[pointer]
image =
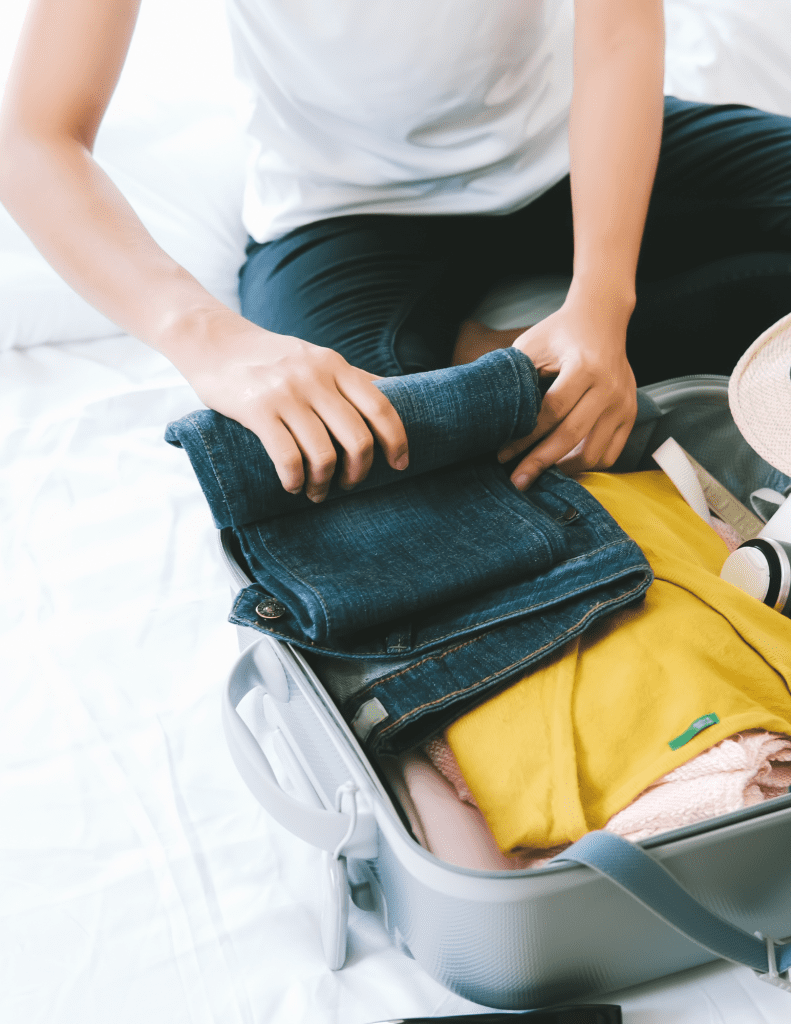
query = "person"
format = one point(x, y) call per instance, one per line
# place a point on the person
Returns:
point(409, 155)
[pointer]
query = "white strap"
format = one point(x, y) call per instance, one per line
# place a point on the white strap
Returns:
point(672, 458)
point(703, 492)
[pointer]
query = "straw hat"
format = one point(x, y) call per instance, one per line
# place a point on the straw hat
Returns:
point(760, 395)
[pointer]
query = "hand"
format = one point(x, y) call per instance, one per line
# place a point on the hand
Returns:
point(296, 397)
point(589, 410)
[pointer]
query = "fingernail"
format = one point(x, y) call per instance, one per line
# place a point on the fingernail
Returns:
point(317, 497)
point(521, 482)
point(402, 462)
point(502, 456)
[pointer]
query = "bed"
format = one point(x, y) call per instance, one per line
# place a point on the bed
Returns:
point(139, 880)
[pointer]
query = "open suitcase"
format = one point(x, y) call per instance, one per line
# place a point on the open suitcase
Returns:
point(518, 939)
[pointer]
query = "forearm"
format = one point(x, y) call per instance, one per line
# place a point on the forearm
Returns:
point(299, 399)
point(90, 234)
point(614, 137)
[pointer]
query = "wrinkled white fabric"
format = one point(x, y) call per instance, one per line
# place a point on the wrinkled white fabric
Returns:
point(139, 880)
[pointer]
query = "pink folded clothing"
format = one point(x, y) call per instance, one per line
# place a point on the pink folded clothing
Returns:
point(746, 769)
point(743, 770)
point(453, 830)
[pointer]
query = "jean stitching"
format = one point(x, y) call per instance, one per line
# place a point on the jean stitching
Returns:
point(511, 615)
point(540, 529)
point(295, 576)
point(500, 617)
point(520, 391)
point(196, 424)
point(480, 682)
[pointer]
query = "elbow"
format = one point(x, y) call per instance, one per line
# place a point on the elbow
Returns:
point(28, 161)
point(7, 162)
point(14, 160)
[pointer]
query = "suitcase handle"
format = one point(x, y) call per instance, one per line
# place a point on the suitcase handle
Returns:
point(319, 827)
point(647, 881)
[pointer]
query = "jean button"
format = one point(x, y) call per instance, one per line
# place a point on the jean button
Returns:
point(569, 515)
point(270, 608)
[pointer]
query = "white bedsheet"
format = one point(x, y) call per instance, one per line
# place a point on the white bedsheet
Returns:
point(139, 880)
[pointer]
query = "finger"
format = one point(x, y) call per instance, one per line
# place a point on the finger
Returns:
point(368, 375)
point(607, 439)
point(563, 396)
point(566, 436)
point(350, 431)
point(606, 448)
point(591, 452)
point(617, 445)
point(582, 461)
point(381, 417)
point(514, 448)
point(285, 454)
point(318, 452)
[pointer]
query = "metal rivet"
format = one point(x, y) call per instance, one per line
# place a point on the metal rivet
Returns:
point(569, 515)
point(270, 608)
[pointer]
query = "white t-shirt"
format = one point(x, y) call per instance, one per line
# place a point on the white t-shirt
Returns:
point(401, 106)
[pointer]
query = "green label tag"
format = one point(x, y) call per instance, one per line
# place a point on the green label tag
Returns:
point(697, 726)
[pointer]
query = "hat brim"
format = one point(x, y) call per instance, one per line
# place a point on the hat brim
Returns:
point(759, 394)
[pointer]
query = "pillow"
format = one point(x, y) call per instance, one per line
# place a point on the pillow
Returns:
point(173, 141)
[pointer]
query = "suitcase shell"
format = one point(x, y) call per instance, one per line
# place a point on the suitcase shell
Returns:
point(512, 940)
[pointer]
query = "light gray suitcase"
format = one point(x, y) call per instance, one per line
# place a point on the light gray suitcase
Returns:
point(517, 939)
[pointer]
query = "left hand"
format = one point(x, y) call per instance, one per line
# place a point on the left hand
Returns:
point(589, 410)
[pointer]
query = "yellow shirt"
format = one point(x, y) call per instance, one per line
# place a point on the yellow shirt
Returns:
point(562, 750)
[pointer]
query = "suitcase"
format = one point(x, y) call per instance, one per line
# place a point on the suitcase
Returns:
point(520, 939)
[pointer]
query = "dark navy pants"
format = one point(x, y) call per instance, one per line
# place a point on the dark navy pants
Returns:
point(389, 292)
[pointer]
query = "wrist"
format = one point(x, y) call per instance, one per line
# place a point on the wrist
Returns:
point(602, 295)
point(197, 333)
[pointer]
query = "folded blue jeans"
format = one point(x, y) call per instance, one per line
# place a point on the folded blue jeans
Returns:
point(423, 591)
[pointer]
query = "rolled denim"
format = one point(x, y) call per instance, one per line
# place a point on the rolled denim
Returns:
point(449, 415)
point(437, 586)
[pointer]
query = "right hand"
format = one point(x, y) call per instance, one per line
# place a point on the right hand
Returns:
point(296, 397)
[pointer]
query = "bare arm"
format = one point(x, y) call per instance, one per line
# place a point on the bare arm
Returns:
point(292, 394)
point(615, 132)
